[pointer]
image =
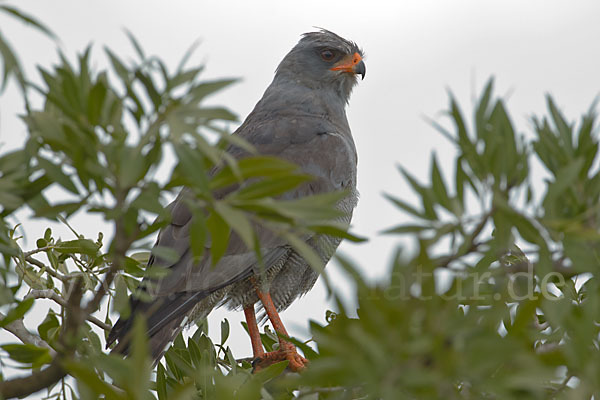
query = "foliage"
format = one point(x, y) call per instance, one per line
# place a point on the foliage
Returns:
point(498, 300)
point(100, 141)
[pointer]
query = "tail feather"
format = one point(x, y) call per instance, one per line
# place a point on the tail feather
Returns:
point(164, 319)
point(164, 316)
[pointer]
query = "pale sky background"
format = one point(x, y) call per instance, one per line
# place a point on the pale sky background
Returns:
point(416, 50)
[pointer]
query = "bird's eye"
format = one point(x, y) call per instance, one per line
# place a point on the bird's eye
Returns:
point(327, 55)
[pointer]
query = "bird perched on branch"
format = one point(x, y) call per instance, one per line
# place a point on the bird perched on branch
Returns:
point(302, 119)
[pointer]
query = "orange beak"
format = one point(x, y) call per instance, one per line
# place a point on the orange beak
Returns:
point(353, 64)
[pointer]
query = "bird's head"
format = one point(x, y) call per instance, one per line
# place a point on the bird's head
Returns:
point(323, 59)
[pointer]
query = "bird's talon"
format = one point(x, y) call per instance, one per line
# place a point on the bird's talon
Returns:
point(296, 361)
point(256, 362)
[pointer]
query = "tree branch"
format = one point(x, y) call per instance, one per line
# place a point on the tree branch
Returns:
point(93, 305)
point(38, 380)
point(18, 329)
point(52, 295)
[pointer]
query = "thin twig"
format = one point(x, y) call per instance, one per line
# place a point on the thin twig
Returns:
point(47, 269)
point(557, 266)
point(93, 304)
point(121, 243)
point(52, 295)
point(38, 250)
point(444, 262)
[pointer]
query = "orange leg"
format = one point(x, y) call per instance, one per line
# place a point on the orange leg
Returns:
point(257, 349)
point(287, 351)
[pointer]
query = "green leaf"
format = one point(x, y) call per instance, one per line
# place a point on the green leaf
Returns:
point(43, 209)
point(28, 354)
point(564, 179)
point(49, 327)
point(86, 375)
point(425, 193)
point(271, 372)
point(526, 228)
point(81, 246)
point(10, 201)
point(224, 331)
point(337, 230)
point(464, 140)
point(252, 167)
point(132, 166)
point(183, 77)
point(94, 341)
point(305, 251)
point(404, 206)
point(96, 99)
point(28, 19)
point(151, 91)
point(461, 179)
point(219, 236)
point(140, 366)
point(55, 173)
point(467, 147)
point(271, 187)
point(198, 234)
point(308, 351)
point(183, 367)
point(191, 163)
point(142, 257)
point(186, 56)
point(564, 130)
point(17, 312)
point(195, 353)
point(135, 44)
point(439, 187)
point(482, 108)
point(309, 210)
point(211, 113)
point(161, 383)
point(237, 221)
point(114, 366)
point(199, 92)
point(11, 66)
point(167, 255)
point(149, 199)
point(406, 229)
point(233, 140)
point(121, 299)
point(118, 65)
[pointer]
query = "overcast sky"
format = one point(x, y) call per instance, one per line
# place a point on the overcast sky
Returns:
point(415, 51)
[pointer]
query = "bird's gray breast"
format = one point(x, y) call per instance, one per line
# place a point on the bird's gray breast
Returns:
point(326, 152)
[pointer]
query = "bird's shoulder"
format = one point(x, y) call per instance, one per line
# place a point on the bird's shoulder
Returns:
point(315, 143)
point(291, 134)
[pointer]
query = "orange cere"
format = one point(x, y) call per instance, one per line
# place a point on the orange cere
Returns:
point(347, 63)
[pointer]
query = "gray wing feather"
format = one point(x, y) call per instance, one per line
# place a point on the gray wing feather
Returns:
point(311, 142)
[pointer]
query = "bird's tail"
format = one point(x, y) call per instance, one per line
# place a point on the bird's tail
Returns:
point(164, 318)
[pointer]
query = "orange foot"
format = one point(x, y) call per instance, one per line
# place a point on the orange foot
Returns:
point(288, 352)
